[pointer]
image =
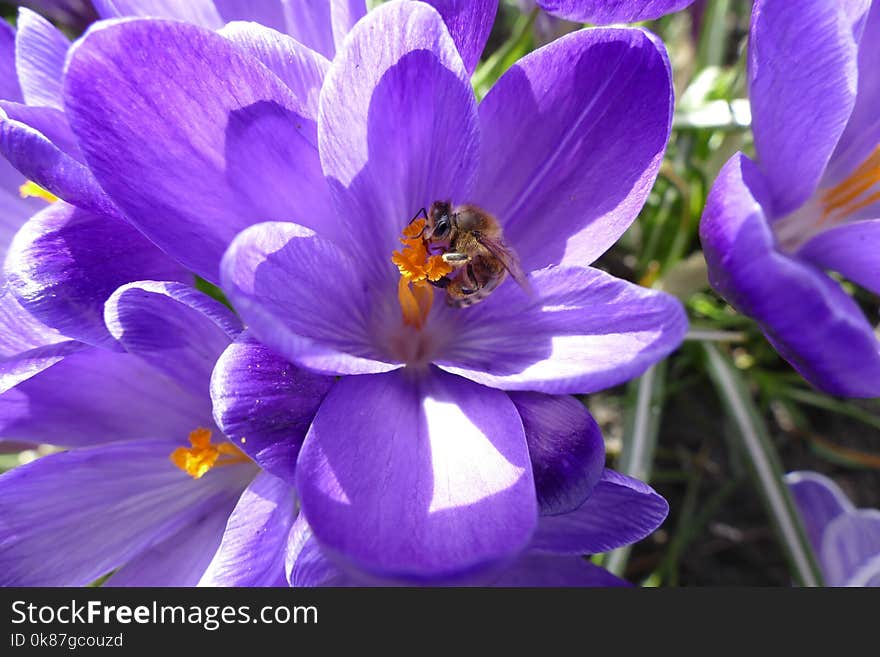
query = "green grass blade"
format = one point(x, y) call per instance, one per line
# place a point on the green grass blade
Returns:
point(764, 464)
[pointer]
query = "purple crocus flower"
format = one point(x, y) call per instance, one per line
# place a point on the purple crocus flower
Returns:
point(811, 202)
point(417, 465)
point(132, 493)
point(846, 539)
point(618, 511)
point(603, 12)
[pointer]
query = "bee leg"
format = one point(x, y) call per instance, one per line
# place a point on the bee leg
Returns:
point(474, 286)
point(456, 259)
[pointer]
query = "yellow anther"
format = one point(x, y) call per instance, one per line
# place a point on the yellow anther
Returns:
point(31, 189)
point(203, 455)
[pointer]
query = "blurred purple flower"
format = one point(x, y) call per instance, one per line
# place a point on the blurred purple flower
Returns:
point(812, 200)
point(76, 15)
point(845, 539)
point(603, 12)
point(115, 500)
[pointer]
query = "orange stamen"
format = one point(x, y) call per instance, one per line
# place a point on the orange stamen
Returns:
point(417, 268)
point(202, 456)
point(846, 197)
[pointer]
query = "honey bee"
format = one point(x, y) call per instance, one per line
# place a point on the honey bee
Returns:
point(473, 244)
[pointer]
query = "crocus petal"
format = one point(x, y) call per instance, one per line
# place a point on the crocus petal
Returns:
point(43, 161)
point(76, 395)
point(16, 209)
point(807, 317)
point(40, 49)
point(819, 501)
point(310, 24)
point(270, 13)
point(621, 510)
point(200, 12)
point(299, 67)
point(867, 575)
point(308, 566)
point(255, 542)
point(65, 262)
point(603, 12)
point(469, 23)
point(582, 331)
point(565, 446)
point(380, 119)
point(802, 86)
point(264, 404)
point(9, 86)
point(180, 560)
point(213, 146)
point(19, 332)
point(50, 122)
point(417, 478)
point(304, 297)
point(545, 570)
point(849, 249)
point(573, 137)
point(862, 134)
point(850, 541)
point(176, 329)
point(104, 505)
point(343, 16)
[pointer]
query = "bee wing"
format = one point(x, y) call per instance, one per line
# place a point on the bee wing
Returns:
point(509, 259)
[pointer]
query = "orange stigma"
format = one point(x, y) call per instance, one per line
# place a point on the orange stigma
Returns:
point(31, 189)
point(852, 194)
point(202, 456)
point(417, 270)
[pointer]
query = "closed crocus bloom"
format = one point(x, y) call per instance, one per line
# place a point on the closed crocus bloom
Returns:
point(603, 12)
point(771, 229)
point(845, 539)
point(148, 483)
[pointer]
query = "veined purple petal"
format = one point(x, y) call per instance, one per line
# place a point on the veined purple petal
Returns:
point(50, 122)
point(15, 209)
point(308, 566)
point(621, 510)
point(191, 154)
point(40, 50)
point(181, 559)
point(549, 570)
point(603, 12)
point(255, 541)
point(862, 133)
point(175, 328)
point(76, 395)
point(469, 23)
point(849, 543)
point(819, 501)
point(807, 317)
point(199, 12)
point(299, 67)
point(582, 331)
point(9, 86)
point(264, 404)
point(310, 24)
point(343, 16)
point(43, 161)
point(565, 446)
point(397, 105)
point(269, 13)
point(802, 86)
point(304, 297)
point(72, 517)
point(26, 351)
point(573, 137)
point(849, 249)
point(65, 262)
point(417, 478)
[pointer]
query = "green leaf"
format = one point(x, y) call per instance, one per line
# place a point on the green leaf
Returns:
point(753, 439)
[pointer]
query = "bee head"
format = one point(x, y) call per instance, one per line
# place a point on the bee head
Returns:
point(441, 220)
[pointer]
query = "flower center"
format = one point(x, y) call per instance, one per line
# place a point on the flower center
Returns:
point(418, 268)
point(853, 193)
point(31, 189)
point(203, 456)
